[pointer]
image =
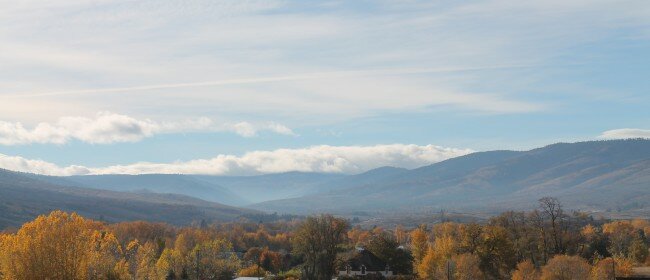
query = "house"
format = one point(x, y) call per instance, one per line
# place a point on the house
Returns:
point(638, 273)
point(362, 263)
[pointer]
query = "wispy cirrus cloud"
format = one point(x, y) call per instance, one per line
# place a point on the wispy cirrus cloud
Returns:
point(243, 55)
point(324, 158)
point(108, 128)
point(625, 133)
point(257, 80)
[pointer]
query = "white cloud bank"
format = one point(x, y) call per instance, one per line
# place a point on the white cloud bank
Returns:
point(328, 159)
point(108, 128)
point(625, 133)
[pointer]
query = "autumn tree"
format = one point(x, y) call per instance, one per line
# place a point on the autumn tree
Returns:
point(130, 255)
point(59, 246)
point(318, 239)
point(212, 260)
point(401, 235)
point(623, 266)
point(105, 259)
point(603, 269)
point(252, 271)
point(419, 246)
point(552, 209)
point(525, 271)
point(466, 267)
point(436, 263)
point(626, 240)
point(470, 237)
point(563, 267)
point(146, 259)
point(142, 231)
point(169, 264)
point(594, 244)
point(271, 261)
point(638, 250)
point(359, 236)
point(253, 255)
point(121, 271)
point(496, 252)
point(538, 224)
point(429, 266)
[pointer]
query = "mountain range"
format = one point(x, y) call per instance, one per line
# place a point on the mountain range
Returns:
point(24, 196)
point(585, 175)
point(593, 175)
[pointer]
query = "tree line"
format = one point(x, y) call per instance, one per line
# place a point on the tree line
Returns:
point(546, 243)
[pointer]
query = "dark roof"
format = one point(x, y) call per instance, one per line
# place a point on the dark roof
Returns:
point(365, 257)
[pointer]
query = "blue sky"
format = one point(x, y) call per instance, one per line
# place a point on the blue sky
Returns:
point(249, 87)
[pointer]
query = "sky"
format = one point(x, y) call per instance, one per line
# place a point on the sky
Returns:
point(252, 87)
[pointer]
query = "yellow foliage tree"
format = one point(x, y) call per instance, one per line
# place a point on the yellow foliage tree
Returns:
point(130, 255)
point(104, 255)
point(444, 248)
point(447, 229)
point(59, 246)
point(146, 262)
point(466, 267)
point(435, 262)
point(604, 269)
point(419, 246)
point(252, 271)
point(170, 262)
point(428, 266)
point(470, 237)
point(122, 270)
point(212, 260)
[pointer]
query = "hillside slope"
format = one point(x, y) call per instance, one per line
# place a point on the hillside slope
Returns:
point(23, 197)
point(154, 183)
point(596, 174)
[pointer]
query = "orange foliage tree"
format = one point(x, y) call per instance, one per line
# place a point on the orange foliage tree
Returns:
point(525, 271)
point(563, 267)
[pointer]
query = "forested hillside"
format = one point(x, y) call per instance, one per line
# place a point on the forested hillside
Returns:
point(22, 198)
point(588, 175)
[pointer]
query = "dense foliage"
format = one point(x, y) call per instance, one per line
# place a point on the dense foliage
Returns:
point(543, 244)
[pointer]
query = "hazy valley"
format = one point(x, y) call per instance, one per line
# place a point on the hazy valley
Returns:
point(602, 176)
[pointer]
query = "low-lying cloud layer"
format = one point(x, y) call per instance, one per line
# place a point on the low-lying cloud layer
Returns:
point(108, 128)
point(327, 159)
point(625, 133)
